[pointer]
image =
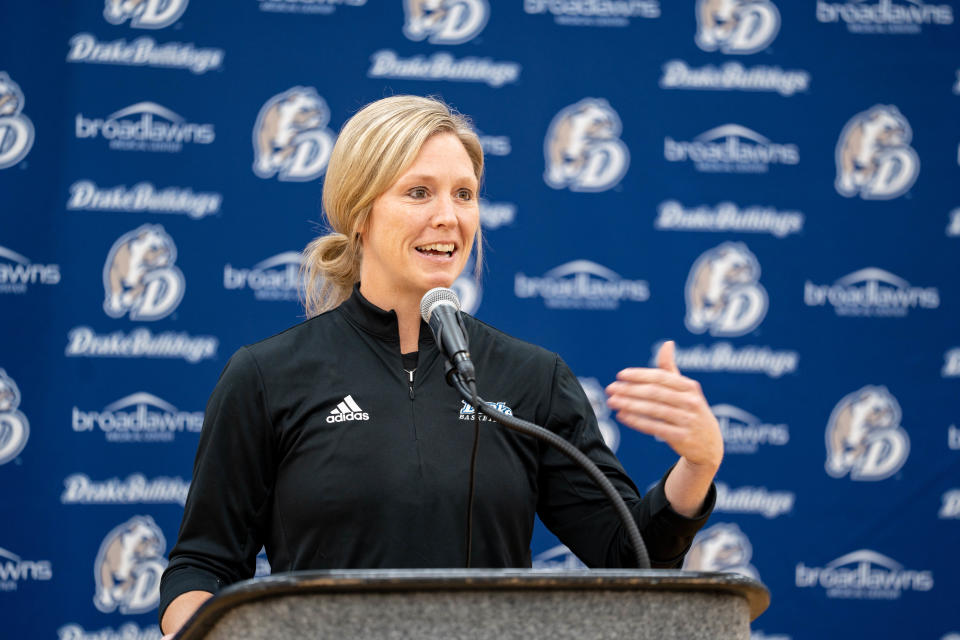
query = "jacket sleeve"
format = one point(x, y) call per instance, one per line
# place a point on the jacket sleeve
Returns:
point(578, 512)
point(229, 498)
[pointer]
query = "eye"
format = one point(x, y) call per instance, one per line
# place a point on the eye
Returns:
point(465, 194)
point(418, 193)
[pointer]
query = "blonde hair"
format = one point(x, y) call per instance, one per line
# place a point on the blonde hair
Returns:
point(373, 149)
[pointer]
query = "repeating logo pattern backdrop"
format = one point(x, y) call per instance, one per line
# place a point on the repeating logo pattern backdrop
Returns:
point(770, 184)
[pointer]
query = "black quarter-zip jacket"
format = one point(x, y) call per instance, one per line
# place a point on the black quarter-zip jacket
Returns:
point(318, 445)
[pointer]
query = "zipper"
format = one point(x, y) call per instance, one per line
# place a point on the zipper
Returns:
point(410, 375)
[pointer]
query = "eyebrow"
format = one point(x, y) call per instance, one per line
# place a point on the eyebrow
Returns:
point(424, 177)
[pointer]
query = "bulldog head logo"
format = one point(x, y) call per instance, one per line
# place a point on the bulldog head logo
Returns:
point(874, 157)
point(736, 26)
point(16, 129)
point(9, 393)
point(11, 97)
point(139, 276)
point(144, 14)
point(723, 292)
point(864, 437)
point(14, 428)
point(583, 149)
point(128, 567)
point(290, 138)
point(444, 21)
point(722, 547)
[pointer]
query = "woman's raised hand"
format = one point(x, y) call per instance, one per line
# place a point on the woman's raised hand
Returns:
point(665, 404)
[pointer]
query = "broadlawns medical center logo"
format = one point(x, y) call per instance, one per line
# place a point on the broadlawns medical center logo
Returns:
point(731, 148)
point(275, 278)
point(144, 126)
point(744, 433)
point(15, 570)
point(581, 284)
point(591, 14)
point(871, 292)
point(138, 417)
point(865, 575)
point(885, 16)
point(314, 7)
point(18, 273)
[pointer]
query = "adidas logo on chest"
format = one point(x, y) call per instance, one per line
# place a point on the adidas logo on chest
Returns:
point(347, 411)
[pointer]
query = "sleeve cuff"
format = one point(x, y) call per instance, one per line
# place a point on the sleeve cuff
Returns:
point(660, 508)
point(179, 582)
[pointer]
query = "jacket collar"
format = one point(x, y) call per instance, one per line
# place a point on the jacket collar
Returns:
point(382, 324)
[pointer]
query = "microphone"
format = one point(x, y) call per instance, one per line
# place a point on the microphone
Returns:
point(440, 308)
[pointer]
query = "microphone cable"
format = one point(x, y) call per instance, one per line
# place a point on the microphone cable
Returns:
point(473, 470)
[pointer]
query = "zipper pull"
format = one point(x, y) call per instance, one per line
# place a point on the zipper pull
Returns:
point(410, 373)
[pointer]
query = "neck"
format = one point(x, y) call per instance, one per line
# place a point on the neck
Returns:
point(407, 310)
point(408, 322)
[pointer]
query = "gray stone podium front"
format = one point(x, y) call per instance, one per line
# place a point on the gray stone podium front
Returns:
point(464, 604)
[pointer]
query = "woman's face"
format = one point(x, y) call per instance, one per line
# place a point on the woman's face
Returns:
point(420, 230)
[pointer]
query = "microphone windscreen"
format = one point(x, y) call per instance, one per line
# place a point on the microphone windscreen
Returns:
point(437, 295)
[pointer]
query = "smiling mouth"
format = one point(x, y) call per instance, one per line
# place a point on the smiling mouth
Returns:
point(437, 249)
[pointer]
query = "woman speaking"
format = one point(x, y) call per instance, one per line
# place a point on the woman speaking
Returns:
point(339, 444)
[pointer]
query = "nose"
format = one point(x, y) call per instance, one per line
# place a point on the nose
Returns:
point(444, 213)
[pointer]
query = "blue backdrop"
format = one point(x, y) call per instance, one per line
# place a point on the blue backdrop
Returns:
point(772, 184)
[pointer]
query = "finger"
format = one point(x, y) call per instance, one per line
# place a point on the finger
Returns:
point(663, 412)
point(651, 427)
point(666, 357)
point(654, 393)
point(657, 376)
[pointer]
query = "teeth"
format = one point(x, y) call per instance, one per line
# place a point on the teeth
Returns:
point(444, 247)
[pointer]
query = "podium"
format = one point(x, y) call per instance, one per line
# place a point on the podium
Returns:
point(483, 604)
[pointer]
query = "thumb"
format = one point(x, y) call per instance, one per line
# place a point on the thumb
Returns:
point(666, 357)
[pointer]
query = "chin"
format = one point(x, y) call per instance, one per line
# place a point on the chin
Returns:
point(438, 282)
point(446, 277)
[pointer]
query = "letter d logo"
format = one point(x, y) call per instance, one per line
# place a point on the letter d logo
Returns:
point(16, 139)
